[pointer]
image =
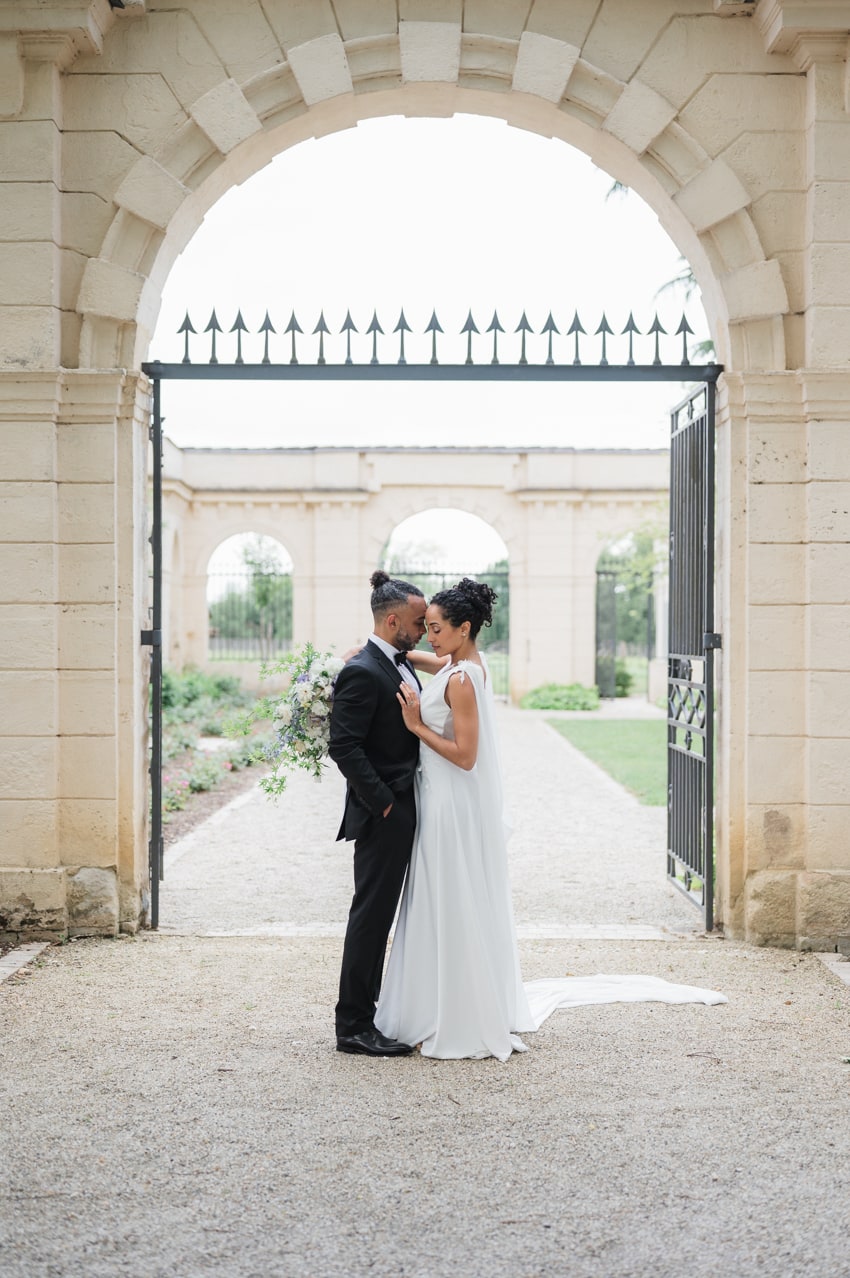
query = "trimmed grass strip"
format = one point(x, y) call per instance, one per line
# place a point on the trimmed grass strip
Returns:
point(632, 751)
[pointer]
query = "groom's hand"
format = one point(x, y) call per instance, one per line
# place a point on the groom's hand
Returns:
point(387, 810)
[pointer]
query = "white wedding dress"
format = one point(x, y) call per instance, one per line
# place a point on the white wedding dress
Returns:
point(453, 980)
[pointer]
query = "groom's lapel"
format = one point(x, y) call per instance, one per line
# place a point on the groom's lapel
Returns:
point(384, 664)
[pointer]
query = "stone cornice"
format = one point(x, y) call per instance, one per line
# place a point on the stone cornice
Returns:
point(58, 30)
point(809, 31)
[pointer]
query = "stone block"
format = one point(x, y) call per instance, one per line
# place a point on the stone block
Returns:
point(149, 112)
point(776, 637)
point(829, 511)
point(828, 631)
point(114, 157)
point(27, 512)
point(28, 832)
point(86, 702)
point(226, 116)
point(713, 195)
point(29, 636)
point(569, 23)
point(87, 767)
point(86, 574)
point(87, 832)
point(29, 273)
point(727, 104)
point(828, 336)
point(28, 767)
point(829, 768)
point(829, 451)
point(639, 115)
point(181, 53)
point(85, 453)
point(780, 220)
point(87, 637)
point(623, 33)
point(29, 703)
point(769, 163)
point(544, 66)
point(27, 574)
point(770, 907)
point(829, 697)
point(777, 574)
point(241, 36)
point(829, 151)
point(829, 837)
point(776, 703)
point(776, 770)
point(777, 453)
point(777, 512)
point(11, 75)
point(92, 901)
point(823, 910)
point(829, 212)
point(151, 193)
point(27, 451)
point(828, 573)
point(755, 292)
point(33, 903)
point(430, 51)
point(28, 211)
point(29, 337)
point(29, 151)
point(828, 269)
point(110, 290)
point(86, 513)
point(776, 837)
point(321, 68)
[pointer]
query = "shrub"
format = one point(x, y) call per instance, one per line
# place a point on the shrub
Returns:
point(175, 791)
point(623, 680)
point(561, 696)
point(206, 772)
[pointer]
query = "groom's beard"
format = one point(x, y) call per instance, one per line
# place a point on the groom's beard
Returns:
point(404, 642)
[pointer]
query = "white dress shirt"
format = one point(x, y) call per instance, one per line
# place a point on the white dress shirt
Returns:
point(389, 651)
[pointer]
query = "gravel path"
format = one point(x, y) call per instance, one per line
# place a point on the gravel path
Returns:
point(173, 1106)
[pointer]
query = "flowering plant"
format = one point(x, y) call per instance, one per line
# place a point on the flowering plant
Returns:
point(300, 715)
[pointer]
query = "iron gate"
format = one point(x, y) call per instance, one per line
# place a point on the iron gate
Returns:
point(485, 362)
point(691, 645)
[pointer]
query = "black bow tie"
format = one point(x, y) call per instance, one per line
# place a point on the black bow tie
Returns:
point(401, 658)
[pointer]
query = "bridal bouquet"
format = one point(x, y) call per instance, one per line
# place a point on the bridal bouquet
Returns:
point(300, 715)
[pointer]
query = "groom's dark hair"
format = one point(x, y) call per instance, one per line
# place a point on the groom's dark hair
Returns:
point(387, 590)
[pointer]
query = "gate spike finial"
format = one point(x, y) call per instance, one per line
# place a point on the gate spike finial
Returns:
point(469, 328)
point(655, 327)
point(631, 328)
point(321, 328)
point(433, 327)
point(684, 328)
point(266, 327)
point(186, 328)
point(605, 329)
point(348, 328)
point(239, 327)
point(523, 327)
point(401, 328)
point(375, 328)
point(574, 329)
point(495, 328)
point(550, 327)
point(293, 327)
point(213, 327)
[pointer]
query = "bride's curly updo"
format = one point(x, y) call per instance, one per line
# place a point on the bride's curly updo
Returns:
point(470, 601)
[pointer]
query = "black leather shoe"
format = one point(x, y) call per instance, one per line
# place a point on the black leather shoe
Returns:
point(372, 1042)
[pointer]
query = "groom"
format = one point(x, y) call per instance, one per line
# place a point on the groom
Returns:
point(377, 756)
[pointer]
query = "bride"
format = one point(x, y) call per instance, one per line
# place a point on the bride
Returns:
point(453, 982)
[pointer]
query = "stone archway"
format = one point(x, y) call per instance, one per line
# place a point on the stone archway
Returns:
point(118, 133)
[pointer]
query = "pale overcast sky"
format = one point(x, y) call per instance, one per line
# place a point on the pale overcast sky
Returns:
point(458, 213)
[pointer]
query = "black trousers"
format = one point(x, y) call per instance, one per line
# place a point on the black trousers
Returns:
point(381, 857)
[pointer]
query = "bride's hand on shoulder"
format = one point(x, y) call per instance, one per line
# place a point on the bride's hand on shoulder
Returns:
point(352, 652)
point(408, 699)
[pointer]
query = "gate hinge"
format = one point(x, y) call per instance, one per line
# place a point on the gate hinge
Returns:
point(712, 641)
point(152, 638)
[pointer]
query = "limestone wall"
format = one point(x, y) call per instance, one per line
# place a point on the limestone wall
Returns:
point(119, 129)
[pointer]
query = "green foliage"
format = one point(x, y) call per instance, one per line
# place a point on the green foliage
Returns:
point(186, 688)
point(634, 561)
point(632, 751)
point(561, 696)
point(623, 679)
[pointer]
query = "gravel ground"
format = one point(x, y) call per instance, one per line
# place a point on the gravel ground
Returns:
point(173, 1106)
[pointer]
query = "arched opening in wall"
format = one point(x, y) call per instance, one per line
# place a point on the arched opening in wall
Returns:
point(249, 601)
point(434, 549)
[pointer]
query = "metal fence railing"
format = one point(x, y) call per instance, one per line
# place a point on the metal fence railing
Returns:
point(250, 614)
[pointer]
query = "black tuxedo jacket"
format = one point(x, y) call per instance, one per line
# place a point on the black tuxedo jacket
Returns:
point(369, 743)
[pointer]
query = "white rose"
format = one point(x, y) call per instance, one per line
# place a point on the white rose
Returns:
point(305, 694)
point(283, 713)
point(334, 666)
point(319, 709)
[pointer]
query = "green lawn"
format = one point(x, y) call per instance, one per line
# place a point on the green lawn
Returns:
point(632, 751)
